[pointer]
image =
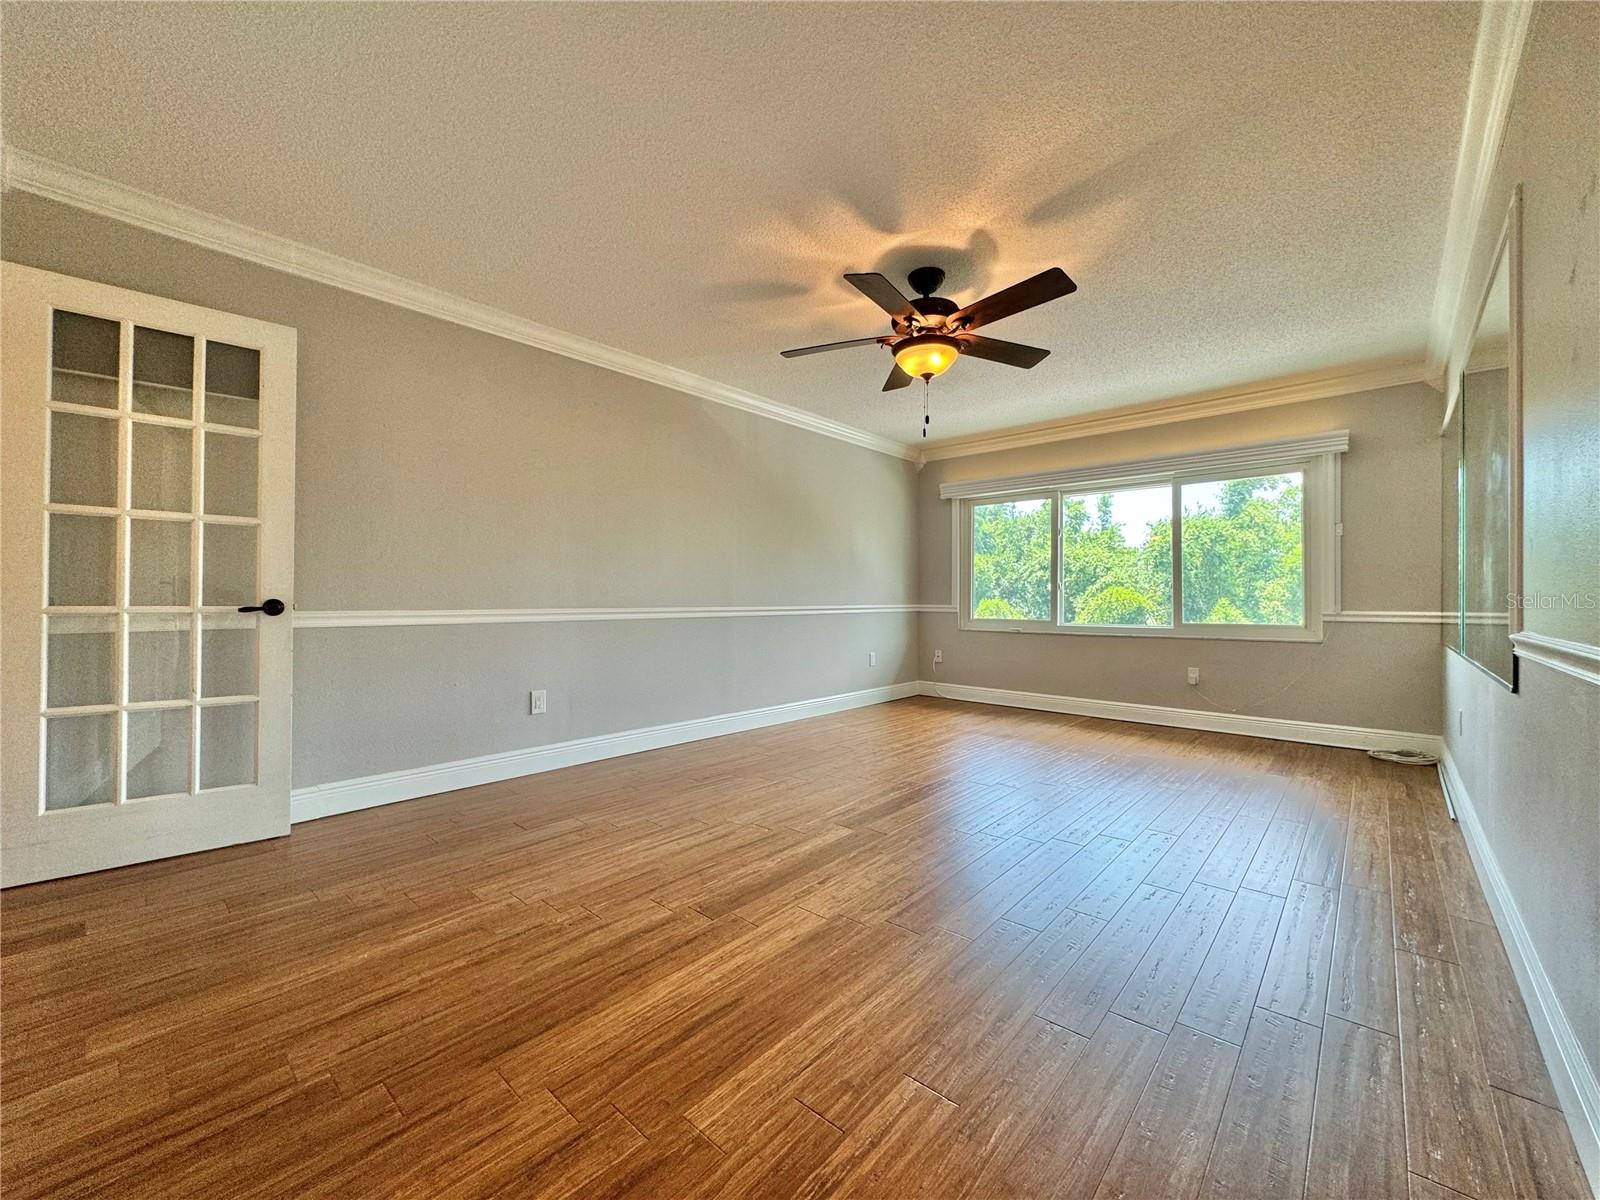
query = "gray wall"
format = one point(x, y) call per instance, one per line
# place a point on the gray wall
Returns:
point(438, 467)
point(1375, 675)
point(1531, 761)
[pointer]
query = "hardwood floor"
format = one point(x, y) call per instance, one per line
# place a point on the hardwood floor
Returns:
point(921, 949)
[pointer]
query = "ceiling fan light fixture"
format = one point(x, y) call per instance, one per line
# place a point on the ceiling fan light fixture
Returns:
point(926, 354)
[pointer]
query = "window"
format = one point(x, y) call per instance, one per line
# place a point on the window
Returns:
point(1238, 543)
point(1116, 557)
point(1243, 543)
point(1011, 560)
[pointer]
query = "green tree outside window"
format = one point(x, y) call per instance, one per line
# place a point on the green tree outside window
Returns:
point(1242, 556)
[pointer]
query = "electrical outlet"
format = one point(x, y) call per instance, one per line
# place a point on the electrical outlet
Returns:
point(872, 658)
point(1194, 675)
point(938, 656)
point(536, 703)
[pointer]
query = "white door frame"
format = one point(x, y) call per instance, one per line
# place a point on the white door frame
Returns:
point(35, 844)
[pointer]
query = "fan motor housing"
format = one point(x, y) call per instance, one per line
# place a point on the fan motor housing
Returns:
point(934, 306)
point(925, 281)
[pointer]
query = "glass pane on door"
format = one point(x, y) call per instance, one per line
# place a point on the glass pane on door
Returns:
point(158, 657)
point(162, 466)
point(233, 385)
point(163, 373)
point(158, 752)
point(228, 655)
point(83, 560)
point(80, 661)
point(230, 565)
point(159, 564)
point(84, 356)
point(227, 745)
point(230, 475)
point(83, 459)
point(80, 760)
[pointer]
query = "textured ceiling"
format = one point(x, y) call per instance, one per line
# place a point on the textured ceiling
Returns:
point(1240, 190)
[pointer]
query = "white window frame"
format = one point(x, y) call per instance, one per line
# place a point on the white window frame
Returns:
point(1317, 458)
point(970, 509)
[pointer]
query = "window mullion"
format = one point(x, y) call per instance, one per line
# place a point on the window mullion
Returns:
point(1056, 510)
point(1313, 499)
point(1177, 555)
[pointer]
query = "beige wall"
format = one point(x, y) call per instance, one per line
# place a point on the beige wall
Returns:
point(438, 467)
point(381, 699)
point(1552, 149)
point(1530, 761)
point(1373, 675)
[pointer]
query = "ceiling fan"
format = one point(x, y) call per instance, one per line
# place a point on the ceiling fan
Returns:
point(930, 332)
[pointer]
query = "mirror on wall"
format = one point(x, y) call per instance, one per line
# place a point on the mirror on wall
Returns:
point(1483, 565)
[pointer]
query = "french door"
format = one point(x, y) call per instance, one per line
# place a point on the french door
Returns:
point(146, 542)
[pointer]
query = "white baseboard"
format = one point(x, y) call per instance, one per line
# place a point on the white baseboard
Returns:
point(348, 795)
point(1570, 1070)
point(1194, 718)
point(369, 791)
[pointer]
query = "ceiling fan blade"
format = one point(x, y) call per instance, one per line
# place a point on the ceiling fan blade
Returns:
point(897, 379)
point(1013, 354)
point(868, 341)
point(1040, 289)
point(882, 293)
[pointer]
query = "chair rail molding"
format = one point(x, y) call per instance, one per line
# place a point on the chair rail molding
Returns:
point(1375, 617)
point(93, 193)
point(1578, 659)
point(354, 618)
point(377, 617)
point(1417, 617)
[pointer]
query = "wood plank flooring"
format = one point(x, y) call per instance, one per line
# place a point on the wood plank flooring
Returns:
point(922, 949)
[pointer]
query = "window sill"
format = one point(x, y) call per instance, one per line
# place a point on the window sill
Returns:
point(1210, 633)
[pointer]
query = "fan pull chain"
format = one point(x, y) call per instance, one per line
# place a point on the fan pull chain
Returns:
point(924, 406)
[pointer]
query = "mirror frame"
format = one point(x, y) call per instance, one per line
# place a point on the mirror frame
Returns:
point(1508, 248)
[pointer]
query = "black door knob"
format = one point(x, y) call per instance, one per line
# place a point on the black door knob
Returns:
point(271, 608)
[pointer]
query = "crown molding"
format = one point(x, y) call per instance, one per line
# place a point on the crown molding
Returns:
point(1496, 59)
point(52, 180)
point(29, 172)
point(1286, 389)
